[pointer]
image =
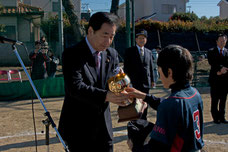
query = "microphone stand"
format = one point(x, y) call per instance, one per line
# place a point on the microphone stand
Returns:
point(47, 123)
point(49, 118)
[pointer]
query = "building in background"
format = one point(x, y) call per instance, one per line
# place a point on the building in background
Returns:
point(163, 9)
point(51, 7)
point(223, 9)
point(21, 21)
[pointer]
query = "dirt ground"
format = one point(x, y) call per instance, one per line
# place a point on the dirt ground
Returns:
point(17, 131)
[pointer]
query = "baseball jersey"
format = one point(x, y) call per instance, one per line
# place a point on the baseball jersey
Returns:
point(179, 123)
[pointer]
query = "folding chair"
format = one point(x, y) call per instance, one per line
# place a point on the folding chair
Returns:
point(4, 75)
point(15, 75)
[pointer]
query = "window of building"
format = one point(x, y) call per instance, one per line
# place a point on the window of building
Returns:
point(55, 6)
point(28, 2)
point(168, 9)
point(10, 32)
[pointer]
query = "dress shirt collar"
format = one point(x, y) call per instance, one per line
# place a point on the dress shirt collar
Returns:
point(93, 51)
point(220, 49)
point(140, 48)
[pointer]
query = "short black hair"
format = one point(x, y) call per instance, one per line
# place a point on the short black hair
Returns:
point(178, 59)
point(221, 35)
point(37, 42)
point(97, 20)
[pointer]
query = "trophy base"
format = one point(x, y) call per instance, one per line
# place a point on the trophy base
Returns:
point(131, 112)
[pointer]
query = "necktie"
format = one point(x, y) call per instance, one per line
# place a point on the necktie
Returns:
point(142, 52)
point(221, 52)
point(98, 62)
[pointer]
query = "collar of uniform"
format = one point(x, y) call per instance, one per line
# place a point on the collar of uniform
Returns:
point(179, 86)
point(220, 49)
point(93, 51)
point(139, 48)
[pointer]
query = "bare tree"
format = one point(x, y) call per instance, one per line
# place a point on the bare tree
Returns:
point(79, 31)
point(115, 6)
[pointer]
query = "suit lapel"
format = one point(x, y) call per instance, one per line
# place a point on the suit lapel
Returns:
point(90, 64)
point(137, 54)
point(225, 52)
point(92, 69)
point(146, 56)
point(138, 57)
point(106, 66)
point(103, 67)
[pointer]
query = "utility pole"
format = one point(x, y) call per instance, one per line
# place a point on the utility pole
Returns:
point(61, 41)
point(128, 26)
point(133, 21)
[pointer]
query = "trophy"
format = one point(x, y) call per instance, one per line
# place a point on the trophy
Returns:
point(135, 107)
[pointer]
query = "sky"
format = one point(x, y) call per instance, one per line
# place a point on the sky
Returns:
point(206, 8)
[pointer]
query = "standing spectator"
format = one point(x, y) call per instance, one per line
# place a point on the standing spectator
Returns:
point(138, 65)
point(218, 79)
point(39, 58)
point(85, 122)
point(43, 40)
point(52, 64)
point(155, 53)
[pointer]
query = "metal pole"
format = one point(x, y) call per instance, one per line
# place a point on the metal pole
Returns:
point(38, 97)
point(196, 61)
point(159, 38)
point(197, 42)
point(128, 26)
point(133, 21)
point(61, 41)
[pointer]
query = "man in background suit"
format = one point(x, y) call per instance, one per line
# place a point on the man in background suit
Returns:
point(138, 65)
point(218, 79)
point(85, 121)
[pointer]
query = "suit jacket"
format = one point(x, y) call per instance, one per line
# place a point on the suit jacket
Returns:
point(217, 62)
point(85, 111)
point(140, 73)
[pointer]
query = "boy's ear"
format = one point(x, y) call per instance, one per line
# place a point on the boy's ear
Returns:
point(170, 73)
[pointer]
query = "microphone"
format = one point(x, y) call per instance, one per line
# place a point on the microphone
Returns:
point(9, 41)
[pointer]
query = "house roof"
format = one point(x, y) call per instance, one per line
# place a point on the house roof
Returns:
point(22, 9)
point(222, 1)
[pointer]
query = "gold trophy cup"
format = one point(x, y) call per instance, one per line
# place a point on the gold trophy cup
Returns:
point(135, 107)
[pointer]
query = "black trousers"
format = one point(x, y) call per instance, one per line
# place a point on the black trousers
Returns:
point(218, 101)
point(74, 146)
point(100, 142)
point(137, 131)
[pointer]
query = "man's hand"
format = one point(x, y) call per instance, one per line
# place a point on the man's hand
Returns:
point(36, 50)
point(44, 51)
point(222, 71)
point(120, 99)
point(130, 144)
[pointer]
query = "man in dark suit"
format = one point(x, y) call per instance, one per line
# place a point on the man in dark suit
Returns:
point(85, 121)
point(138, 65)
point(218, 79)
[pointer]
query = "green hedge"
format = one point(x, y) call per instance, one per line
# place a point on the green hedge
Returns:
point(50, 87)
point(182, 26)
point(179, 22)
